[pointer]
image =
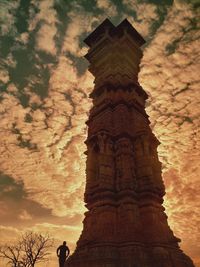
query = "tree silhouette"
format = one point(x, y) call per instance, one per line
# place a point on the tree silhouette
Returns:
point(11, 254)
point(30, 249)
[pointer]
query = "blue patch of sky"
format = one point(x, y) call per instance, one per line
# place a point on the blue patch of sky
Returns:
point(9, 188)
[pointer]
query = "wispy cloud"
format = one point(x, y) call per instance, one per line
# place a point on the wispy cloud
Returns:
point(46, 19)
point(169, 74)
point(44, 106)
point(145, 15)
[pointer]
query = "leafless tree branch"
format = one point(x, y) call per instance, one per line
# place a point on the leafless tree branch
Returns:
point(30, 249)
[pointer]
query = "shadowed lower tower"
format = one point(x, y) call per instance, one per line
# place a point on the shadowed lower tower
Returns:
point(125, 225)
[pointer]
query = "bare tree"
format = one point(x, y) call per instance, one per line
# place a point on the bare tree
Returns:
point(11, 254)
point(30, 249)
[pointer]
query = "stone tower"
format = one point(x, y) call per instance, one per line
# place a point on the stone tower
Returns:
point(125, 225)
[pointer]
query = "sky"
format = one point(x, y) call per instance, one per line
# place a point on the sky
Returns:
point(44, 88)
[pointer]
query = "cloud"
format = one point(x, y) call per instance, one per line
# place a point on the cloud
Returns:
point(7, 16)
point(47, 141)
point(46, 13)
point(44, 106)
point(8, 233)
point(109, 9)
point(45, 20)
point(25, 215)
point(80, 23)
point(4, 76)
point(169, 75)
point(45, 38)
point(146, 14)
point(16, 205)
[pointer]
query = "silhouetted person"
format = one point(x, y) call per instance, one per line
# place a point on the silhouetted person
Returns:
point(62, 253)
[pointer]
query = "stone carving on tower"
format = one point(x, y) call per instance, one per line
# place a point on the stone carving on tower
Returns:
point(125, 225)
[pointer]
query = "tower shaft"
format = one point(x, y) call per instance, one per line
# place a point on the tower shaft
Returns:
point(125, 225)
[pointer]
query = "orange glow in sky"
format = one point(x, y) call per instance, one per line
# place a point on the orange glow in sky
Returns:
point(44, 105)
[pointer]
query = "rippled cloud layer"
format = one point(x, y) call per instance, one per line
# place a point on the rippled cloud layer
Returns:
point(45, 85)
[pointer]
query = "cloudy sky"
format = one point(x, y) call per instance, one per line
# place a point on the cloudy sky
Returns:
point(44, 87)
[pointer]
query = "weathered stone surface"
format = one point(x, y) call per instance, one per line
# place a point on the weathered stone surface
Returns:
point(125, 225)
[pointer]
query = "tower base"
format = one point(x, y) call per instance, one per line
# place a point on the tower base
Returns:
point(129, 255)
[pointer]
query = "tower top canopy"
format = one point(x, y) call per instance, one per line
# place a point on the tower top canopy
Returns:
point(107, 26)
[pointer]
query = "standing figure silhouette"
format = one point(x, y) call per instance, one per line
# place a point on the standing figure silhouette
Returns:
point(62, 253)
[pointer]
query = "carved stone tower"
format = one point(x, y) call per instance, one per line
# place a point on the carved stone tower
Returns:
point(125, 225)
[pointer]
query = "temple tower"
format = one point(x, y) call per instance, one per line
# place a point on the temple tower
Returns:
point(125, 225)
